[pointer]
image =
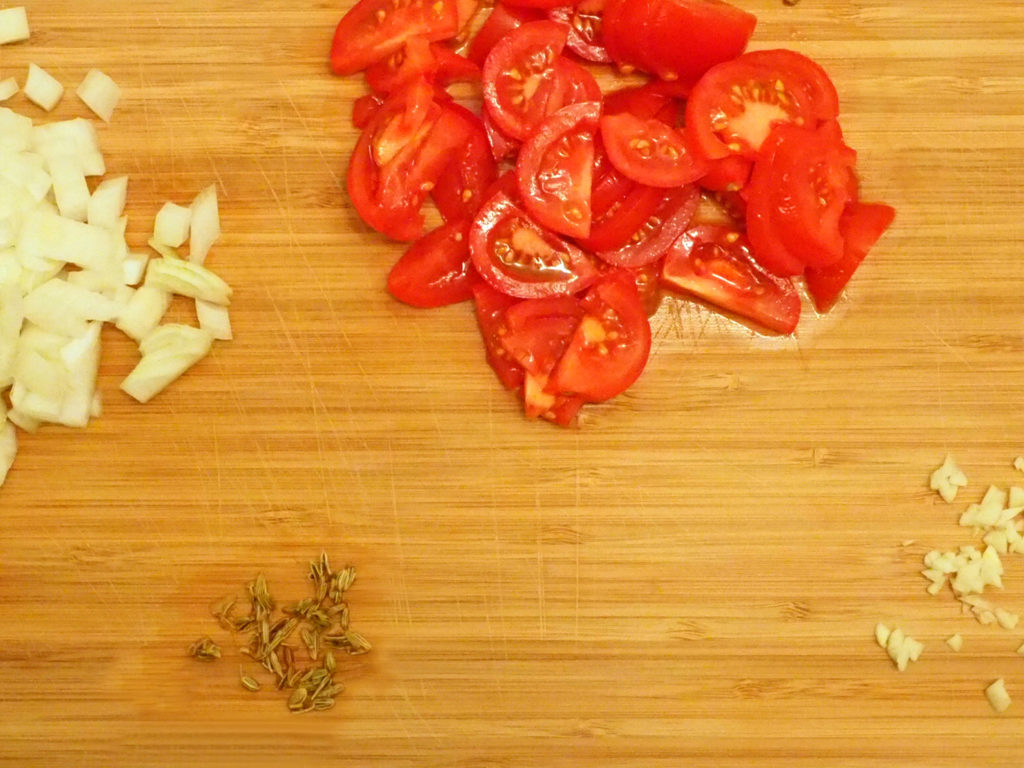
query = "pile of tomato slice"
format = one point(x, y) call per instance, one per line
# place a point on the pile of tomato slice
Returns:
point(567, 210)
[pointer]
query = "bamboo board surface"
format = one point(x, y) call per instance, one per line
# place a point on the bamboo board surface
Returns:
point(691, 578)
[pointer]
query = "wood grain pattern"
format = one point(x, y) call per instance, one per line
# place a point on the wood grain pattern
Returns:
point(692, 578)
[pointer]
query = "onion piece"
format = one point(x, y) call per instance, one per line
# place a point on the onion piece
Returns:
point(167, 353)
point(15, 131)
point(215, 319)
point(997, 696)
point(100, 93)
point(205, 224)
point(107, 202)
point(70, 189)
point(13, 25)
point(143, 312)
point(8, 87)
point(133, 268)
point(8, 448)
point(186, 278)
point(172, 225)
point(76, 137)
point(42, 88)
point(48, 235)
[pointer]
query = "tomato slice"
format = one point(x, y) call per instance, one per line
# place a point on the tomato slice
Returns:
point(518, 256)
point(364, 108)
point(655, 236)
point(413, 60)
point(453, 68)
point(715, 264)
point(436, 270)
point(575, 84)
point(541, 4)
point(502, 20)
point(734, 107)
point(675, 39)
point(726, 174)
point(555, 169)
point(649, 151)
point(862, 225)
point(490, 306)
point(374, 29)
point(462, 186)
point(520, 77)
point(585, 39)
point(610, 346)
point(616, 225)
point(808, 184)
point(642, 101)
point(502, 145)
point(539, 330)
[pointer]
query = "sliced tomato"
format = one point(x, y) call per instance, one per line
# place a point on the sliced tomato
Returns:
point(520, 77)
point(656, 234)
point(585, 39)
point(737, 103)
point(716, 264)
point(519, 257)
point(649, 151)
point(452, 67)
point(614, 226)
point(540, 402)
point(436, 270)
point(555, 169)
point(675, 39)
point(502, 20)
point(723, 209)
point(804, 183)
point(540, 4)
point(648, 283)
point(364, 108)
point(538, 331)
point(726, 174)
point(503, 146)
point(462, 186)
point(809, 74)
point(642, 101)
point(397, 160)
point(413, 60)
point(609, 187)
point(490, 306)
point(610, 346)
point(575, 84)
point(372, 30)
point(862, 225)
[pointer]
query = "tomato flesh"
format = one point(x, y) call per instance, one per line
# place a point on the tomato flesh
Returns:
point(610, 346)
point(518, 256)
point(521, 77)
point(490, 305)
point(586, 38)
point(649, 151)
point(436, 270)
point(862, 225)
point(502, 20)
point(652, 239)
point(715, 264)
point(555, 169)
point(538, 331)
point(374, 29)
point(462, 186)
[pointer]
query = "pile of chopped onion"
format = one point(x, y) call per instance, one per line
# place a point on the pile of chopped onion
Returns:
point(66, 268)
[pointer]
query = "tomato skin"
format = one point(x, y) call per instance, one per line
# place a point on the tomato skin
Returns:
point(649, 151)
point(502, 145)
point(490, 306)
point(586, 38)
point(613, 227)
point(539, 4)
point(436, 270)
point(610, 346)
point(364, 108)
point(726, 174)
point(374, 29)
point(650, 242)
point(502, 20)
point(554, 189)
point(642, 101)
point(462, 186)
point(862, 225)
point(520, 77)
point(715, 264)
point(575, 84)
point(807, 73)
point(518, 257)
point(675, 39)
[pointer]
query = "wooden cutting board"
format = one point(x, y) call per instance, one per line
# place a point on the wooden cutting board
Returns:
point(691, 578)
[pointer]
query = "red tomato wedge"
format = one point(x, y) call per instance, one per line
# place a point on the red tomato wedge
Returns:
point(614, 226)
point(586, 38)
point(521, 77)
point(555, 169)
point(462, 186)
point(726, 174)
point(642, 101)
point(374, 29)
point(715, 264)
point(519, 257)
point(436, 270)
point(541, 4)
point(575, 84)
point(538, 331)
point(675, 39)
point(734, 107)
point(652, 239)
point(649, 151)
point(502, 20)
point(610, 346)
point(364, 108)
point(502, 145)
point(490, 306)
point(862, 225)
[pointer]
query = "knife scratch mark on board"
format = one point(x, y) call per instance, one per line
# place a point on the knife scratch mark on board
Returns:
point(952, 350)
point(403, 595)
point(309, 134)
point(209, 155)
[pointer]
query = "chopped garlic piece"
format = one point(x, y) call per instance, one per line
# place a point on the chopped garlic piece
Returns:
point(947, 479)
point(882, 633)
point(997, 696)
point(901, 648)
point(1020, 649)
point(955, 642)
point(1018, 463)
point(1006, 619)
